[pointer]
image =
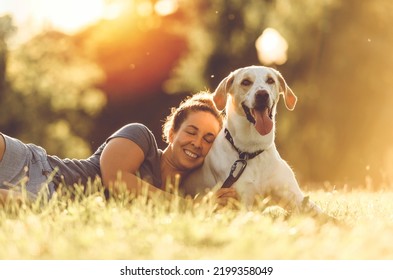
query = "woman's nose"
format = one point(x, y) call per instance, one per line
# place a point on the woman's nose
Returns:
point(197, 142)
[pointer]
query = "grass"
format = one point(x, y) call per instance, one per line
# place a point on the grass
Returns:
point(89, 227)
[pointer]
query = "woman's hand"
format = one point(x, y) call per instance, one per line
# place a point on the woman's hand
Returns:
point(227, 197)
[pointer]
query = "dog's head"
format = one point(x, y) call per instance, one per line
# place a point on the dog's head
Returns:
point(254, 93)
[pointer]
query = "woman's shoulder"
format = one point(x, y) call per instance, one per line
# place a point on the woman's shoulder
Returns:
point(138, 133)
point(134, 127)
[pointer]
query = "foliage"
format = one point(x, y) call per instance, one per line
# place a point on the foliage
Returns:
point(339, 130)
point(88, 227)
point(223, 39)
point(350, 107)
point(338, 65)
point(50, 98)
point(6, 30)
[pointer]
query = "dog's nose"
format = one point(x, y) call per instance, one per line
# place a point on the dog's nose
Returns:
point(261, 96)
point(261, 100)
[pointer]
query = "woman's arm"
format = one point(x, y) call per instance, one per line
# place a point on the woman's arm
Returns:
point(121, 159)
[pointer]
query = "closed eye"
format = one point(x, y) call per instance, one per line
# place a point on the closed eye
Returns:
point(191, 132)
point(209, 139)
point(246, 82)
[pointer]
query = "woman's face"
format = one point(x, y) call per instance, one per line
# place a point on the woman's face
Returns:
point(191, 143)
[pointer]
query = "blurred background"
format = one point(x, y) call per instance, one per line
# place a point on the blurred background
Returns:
point(72, 72)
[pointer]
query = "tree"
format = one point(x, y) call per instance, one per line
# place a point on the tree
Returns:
point(221, 37)
point(6, 30)
point(52, 99)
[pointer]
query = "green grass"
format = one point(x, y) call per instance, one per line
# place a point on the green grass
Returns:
point(89, 227)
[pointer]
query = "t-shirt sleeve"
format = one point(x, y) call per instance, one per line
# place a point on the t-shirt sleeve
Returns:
point(139, 134)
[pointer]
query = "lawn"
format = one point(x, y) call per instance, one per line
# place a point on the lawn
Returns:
point(89, 227)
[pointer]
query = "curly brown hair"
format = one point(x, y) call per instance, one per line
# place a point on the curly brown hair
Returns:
point(202, 101)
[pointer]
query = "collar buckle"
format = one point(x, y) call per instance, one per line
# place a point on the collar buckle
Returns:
point(239, 165)
point(244, 155)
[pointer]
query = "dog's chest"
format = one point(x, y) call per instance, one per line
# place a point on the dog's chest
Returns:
point(256, 170)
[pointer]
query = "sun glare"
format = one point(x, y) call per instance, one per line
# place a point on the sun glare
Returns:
point(161, 8)
point(71, 15)
point(271, 47)
point(145, 9)
point(166, 7)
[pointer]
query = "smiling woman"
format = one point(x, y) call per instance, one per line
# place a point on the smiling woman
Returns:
point(129, 161)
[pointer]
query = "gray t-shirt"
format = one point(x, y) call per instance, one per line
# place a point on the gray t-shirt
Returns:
point(80, 170)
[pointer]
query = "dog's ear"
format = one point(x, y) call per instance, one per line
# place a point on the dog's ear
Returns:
point(289, 97)
point(220, 94)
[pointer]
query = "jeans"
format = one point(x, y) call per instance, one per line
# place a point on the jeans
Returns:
point(25, 166)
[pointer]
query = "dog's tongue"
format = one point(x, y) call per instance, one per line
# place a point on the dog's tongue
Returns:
point(263, 123)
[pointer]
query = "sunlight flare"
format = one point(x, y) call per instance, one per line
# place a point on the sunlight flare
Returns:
point(166, 7)
point(271, 47)
point(69, 16)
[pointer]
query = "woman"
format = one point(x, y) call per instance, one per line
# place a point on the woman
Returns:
point(130, 155)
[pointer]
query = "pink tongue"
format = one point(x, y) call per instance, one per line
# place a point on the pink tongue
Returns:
point(263, 124)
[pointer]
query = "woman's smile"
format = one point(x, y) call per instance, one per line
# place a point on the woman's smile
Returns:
point(191, 154)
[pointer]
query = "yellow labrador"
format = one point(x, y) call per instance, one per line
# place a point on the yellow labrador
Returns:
point(244, 154)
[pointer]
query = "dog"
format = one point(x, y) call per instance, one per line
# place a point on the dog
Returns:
point(244, 155)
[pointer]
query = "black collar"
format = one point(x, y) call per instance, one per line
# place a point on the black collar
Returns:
point(242, 155)
point(239, 165)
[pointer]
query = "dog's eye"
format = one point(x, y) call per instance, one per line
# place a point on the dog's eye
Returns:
point(246, 82)
point(270, 80)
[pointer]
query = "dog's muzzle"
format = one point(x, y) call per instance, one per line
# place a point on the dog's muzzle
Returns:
point(260, 105)
point(261, 115)
point(247, 111)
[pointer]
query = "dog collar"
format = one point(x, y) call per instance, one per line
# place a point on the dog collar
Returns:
point(242, 155)
point(239, 165)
